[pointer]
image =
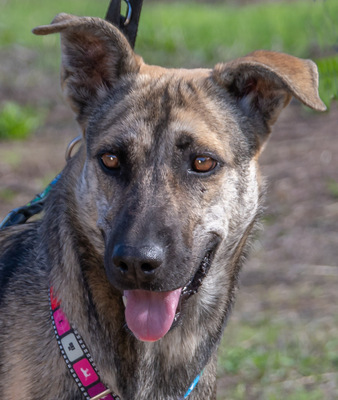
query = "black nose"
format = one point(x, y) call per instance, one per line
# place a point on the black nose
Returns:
point(137, 263)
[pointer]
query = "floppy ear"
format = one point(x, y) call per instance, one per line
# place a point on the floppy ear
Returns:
point(263, 83)
point(95, 54)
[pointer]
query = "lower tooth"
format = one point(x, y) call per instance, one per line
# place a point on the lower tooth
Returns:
point(124, 299)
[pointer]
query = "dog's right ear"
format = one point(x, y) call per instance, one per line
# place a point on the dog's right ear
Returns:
point(95, 54)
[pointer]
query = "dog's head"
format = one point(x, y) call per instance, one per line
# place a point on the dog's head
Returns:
point(169, 178)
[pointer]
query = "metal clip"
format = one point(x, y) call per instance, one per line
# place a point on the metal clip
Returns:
point(101, 395)
point(129, 12)
point(71, 146)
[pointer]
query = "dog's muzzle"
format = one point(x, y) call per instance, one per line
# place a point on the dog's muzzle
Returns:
point(151, 314)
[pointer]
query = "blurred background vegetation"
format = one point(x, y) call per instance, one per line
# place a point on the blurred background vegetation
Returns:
point(259, 352)
point(190, 34)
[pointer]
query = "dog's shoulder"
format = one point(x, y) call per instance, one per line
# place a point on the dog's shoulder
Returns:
point(18, 246)
point(14, 239)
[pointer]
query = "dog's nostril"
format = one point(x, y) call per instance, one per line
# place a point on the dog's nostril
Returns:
point(148, 268)
point(136, 263)
point(123, 267)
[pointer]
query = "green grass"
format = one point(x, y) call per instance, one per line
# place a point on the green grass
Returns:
point(209, 33)
point(18, 122)
point(328, 73)
point(19, 17)
point(7, 195)
point(332, 187)
point(189, 34)
point(274, 359)
point(219, 32)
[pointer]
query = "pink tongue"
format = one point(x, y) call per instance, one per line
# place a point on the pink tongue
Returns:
point(149, 315)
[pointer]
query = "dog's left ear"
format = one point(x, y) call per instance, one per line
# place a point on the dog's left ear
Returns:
point(95, 55)
point(263, 83)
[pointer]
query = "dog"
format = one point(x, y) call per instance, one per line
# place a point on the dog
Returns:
point(143, 237)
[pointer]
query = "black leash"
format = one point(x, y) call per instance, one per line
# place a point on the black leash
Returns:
point(128, 25)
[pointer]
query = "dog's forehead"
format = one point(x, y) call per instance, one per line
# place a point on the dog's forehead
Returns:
point(169, 104)
point(155, 72)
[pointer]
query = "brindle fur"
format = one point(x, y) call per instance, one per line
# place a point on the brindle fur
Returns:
point(157, 119)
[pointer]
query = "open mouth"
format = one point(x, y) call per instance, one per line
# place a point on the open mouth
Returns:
point(150, 315)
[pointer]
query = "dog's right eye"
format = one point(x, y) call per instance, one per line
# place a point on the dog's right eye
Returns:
point(110, 161)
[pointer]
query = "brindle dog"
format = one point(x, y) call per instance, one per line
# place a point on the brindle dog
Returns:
point(144, 235)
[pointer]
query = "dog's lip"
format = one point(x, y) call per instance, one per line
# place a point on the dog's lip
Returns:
point(196, 281)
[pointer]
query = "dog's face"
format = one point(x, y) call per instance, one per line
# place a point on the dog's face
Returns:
point(169, 178)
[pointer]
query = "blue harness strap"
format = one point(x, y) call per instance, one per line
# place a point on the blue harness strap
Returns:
point(21, 214)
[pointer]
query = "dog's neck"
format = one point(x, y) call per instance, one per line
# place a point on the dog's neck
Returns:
point(79, 360)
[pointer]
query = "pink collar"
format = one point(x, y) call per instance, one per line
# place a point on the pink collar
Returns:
point(77, 356)
point(79, 360)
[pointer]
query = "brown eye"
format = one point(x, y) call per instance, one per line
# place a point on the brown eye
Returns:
point(203, 164)
point(110, 161)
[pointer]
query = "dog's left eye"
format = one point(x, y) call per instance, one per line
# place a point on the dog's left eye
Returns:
point(110, 161)
point(203, 164)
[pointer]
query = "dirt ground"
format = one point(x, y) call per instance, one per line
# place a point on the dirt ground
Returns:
point(296, 252)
